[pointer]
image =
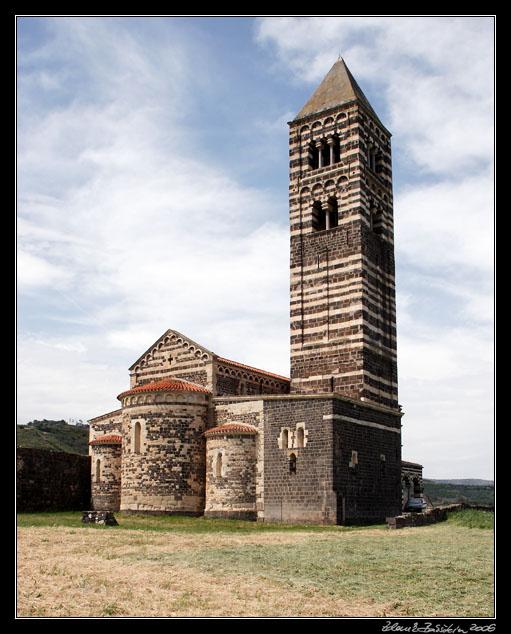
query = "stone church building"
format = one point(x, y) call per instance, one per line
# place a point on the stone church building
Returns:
point(199, 434)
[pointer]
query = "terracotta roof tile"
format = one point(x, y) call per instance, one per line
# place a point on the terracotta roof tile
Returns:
point(166, 385)
point(109, 439)
point(248, 367)
point(231, 428)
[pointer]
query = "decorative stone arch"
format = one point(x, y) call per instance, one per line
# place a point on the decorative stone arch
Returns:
point(301, 434)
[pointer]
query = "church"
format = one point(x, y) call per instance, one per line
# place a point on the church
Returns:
point(198, 434)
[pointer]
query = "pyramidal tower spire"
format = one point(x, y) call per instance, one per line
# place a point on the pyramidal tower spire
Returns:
point(338, 87)
point(342, 293)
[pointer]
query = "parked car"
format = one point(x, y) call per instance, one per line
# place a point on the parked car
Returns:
point(415, 504)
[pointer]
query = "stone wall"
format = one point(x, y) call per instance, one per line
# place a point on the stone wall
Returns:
point(52, 481)
point(298, 484)
point(236, 491)
point(342, 303)
point(431, 515)
point(106, 477)
point(163, 459)
point(331, 460)
point(367, 461)
point(231, 475)
point(174, 356)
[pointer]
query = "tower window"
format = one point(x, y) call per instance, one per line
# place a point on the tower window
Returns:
point(325, 215)
point(292, 464)
point(324, 152)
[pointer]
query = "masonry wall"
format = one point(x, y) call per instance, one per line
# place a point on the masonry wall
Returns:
point(173, 356)
point(106, 477)
point(247, 454)
point(298, 480)
point(49, 480)
point(165, 473)
point(231, 476)
point(342, 303)
point(367, 462)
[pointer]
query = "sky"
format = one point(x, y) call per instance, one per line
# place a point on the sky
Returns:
point(152, 193)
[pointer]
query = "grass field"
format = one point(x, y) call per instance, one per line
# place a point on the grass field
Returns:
point(182, 567)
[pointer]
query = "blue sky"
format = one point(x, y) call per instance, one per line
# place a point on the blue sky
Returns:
point(152, 182)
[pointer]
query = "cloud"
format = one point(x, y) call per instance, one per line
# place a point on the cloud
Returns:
point(429, 95)
point(129, 213)
point(125, 221)
point(431, 81)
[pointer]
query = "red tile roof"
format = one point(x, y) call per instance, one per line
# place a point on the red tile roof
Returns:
point(109, 439)
point(231, 428)
point(248, 367)
point(166, 385)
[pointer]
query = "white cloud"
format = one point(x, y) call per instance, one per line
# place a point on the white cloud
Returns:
point(124, 211)
point(448, 223)
point(36, 272)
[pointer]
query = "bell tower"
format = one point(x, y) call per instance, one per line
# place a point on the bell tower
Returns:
point(342, 280)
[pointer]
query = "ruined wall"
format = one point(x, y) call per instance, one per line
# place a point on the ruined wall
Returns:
point(51, 481)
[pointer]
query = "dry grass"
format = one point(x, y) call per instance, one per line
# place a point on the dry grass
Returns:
point(85, 572)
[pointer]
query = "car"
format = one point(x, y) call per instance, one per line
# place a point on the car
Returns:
point(415, 504)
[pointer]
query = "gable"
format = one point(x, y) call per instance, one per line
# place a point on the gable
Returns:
point(176, 356)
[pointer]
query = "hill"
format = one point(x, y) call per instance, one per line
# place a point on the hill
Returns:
point(54, 435)
point(454, 491)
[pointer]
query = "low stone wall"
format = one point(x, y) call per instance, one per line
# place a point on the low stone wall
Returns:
point(430, 515)
point(51, 480)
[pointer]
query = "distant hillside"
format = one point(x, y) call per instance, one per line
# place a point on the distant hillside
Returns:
point(454, 491)
point(468, 481)
point(54, 435)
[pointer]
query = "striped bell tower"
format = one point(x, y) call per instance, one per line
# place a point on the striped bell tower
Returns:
point(342, 282)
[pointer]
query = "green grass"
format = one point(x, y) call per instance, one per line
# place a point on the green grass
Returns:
point(371, 565)
point(472, 518)
point(179, 523)
point(442, 569)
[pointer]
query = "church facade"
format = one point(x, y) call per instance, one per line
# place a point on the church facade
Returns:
point(199, 434)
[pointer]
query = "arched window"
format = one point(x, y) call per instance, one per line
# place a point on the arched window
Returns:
point(333, 213)
point(292, 464)
point(218, 465)
point(98, 470)
point(285, 438)
point(136, 437)
point(299, 437)
point(325, 215)
point(318, 217)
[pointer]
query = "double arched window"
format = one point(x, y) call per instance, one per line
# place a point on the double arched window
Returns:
point(325, 215)
point(324, 152)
